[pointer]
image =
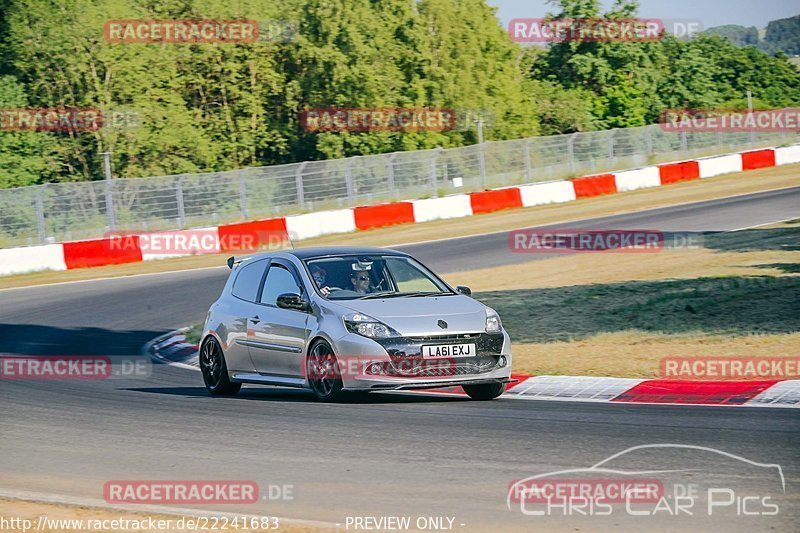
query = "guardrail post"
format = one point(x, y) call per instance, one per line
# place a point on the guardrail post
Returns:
point(243, 197)
point(40, 213)
point(528, 169)
point(179, 199)
point(298, 183)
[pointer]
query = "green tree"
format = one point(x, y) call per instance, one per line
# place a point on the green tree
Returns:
point(26, 157)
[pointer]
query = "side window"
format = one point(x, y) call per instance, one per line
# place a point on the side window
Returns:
point(245, 286)
point(279, 281)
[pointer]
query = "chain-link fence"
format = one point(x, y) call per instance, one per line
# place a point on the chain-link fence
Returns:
point(69, 211)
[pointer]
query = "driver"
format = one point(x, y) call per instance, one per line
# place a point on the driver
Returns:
point(360, 280)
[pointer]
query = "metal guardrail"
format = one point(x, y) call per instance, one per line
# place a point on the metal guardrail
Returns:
point(68, 211)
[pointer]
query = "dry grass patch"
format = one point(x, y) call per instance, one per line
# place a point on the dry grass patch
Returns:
point(637, 354)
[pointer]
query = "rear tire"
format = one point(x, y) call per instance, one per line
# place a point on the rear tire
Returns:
point(486, 391)
point(323, 372)
point(215, 371)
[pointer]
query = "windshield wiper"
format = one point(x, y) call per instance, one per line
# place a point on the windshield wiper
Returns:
point(383, 294)
point(424, 293)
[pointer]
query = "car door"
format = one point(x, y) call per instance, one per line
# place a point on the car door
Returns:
point(278, 339)
point(245, 291)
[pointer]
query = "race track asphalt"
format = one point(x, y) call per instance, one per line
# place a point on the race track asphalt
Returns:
point(383, 454)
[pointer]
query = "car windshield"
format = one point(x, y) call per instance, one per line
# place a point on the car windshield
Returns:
point(375, 276)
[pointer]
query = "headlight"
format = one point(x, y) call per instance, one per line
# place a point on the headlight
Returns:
point(367, 326)
point(493, 324)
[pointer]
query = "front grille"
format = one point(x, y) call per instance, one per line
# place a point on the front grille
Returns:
point(462, 337)
point(415, 367)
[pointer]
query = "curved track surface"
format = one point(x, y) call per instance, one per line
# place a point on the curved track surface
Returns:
point(384, 454)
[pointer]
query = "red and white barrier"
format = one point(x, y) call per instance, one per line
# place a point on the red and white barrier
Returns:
point(552, 192)
point(640, 178)
point(723, 164)
point(312, 225)
point(594, 185)
point(787, 155)
point(32, 258)
point(455, 206)
point(257, 234)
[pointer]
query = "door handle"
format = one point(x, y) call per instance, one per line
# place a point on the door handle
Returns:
point(255, 319)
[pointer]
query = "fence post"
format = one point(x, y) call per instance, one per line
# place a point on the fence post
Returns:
point(179, 198)
point(243, 197)
point(298, 183)
point(434, 158)
point(528, 169)
point(611, 145)
point(571, 152)
point(348, 178)
point(684, 144)
point(40, 213)
point(390, 171)
point(648, 140)
point(112, 223)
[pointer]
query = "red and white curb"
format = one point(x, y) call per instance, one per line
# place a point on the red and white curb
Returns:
point(259, 233)
point(173, 349)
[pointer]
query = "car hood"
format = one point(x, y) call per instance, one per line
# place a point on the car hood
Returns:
point(420, 316)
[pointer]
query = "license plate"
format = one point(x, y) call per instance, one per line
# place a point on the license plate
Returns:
point(443, 351)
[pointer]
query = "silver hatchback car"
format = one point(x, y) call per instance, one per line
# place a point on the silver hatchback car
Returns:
point(350, 319)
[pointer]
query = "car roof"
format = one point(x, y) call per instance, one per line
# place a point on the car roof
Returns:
point(327, 251)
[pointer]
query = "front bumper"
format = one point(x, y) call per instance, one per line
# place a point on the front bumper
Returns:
point(396, 363)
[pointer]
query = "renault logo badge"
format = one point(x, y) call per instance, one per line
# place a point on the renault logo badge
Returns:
point(442, 324)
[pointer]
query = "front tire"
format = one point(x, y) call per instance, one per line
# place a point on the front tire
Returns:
point(215, 371)
point(323, 372)
point(486, 391)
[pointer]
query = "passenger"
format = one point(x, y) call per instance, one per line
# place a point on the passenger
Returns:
point(318, 273)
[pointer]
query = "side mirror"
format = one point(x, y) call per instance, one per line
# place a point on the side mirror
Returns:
point(292, 301)
point(463, 289)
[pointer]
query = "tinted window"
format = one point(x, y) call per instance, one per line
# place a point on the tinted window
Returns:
point(247, 280)
point(279, 281)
